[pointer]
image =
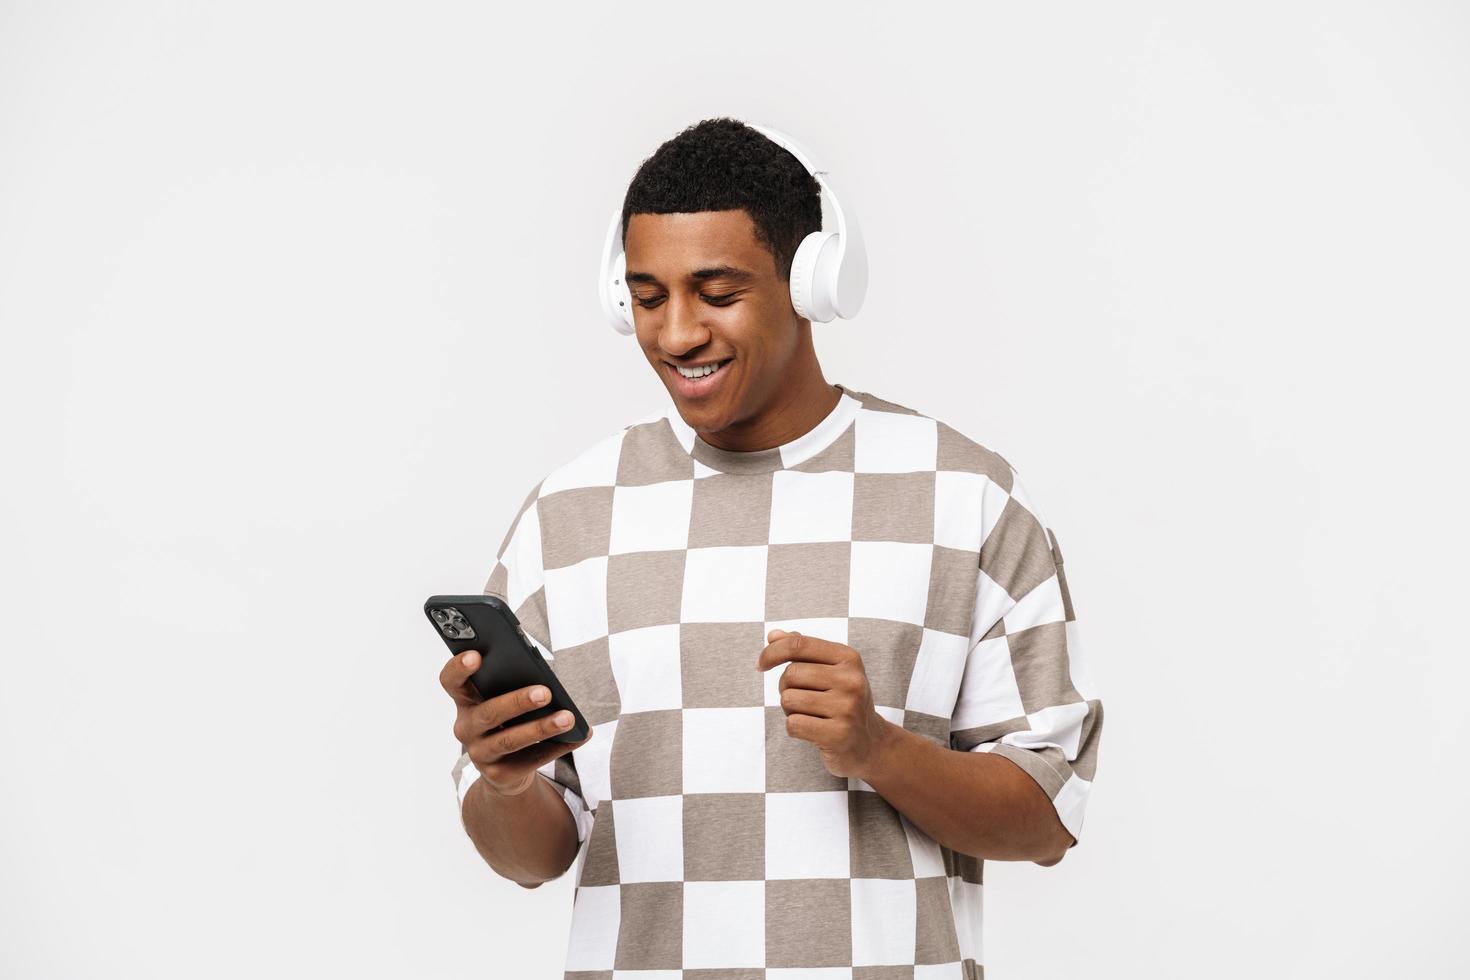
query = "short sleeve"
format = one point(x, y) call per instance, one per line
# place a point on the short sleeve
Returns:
point(1025, 693)
point(517, 579)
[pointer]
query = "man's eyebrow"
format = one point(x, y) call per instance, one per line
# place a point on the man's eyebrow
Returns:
point(698, 275)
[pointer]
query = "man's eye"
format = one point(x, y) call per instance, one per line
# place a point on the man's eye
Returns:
point(722, 300)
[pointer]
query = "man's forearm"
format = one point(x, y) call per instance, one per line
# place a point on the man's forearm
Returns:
point(975, 803)
point(529, 838)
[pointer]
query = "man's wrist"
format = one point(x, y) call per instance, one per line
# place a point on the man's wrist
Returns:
point(887, 744)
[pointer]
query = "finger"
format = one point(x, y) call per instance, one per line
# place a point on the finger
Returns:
point(504, 708)
point(811, 676)
point(533, 756)
point(798, 700)
point(810, 728)
point(513, 738)
point(455, 677)
point(798, 646)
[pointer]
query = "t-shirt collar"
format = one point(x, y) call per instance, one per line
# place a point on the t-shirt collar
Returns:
point(784, 456)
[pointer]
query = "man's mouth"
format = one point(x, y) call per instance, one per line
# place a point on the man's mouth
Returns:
point(700, 380)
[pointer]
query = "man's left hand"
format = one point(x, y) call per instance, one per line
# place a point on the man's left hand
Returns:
point(827, 701)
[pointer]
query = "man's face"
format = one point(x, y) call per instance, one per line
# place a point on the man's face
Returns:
point(705, 291)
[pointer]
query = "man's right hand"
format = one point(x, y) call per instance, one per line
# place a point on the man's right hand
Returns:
point(507, 755)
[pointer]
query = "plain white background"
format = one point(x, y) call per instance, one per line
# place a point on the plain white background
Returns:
point(298, 302)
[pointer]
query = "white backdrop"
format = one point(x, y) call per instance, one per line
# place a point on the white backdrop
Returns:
point(297, 303)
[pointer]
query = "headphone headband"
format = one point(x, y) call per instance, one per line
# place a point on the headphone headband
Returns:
point(829, 271)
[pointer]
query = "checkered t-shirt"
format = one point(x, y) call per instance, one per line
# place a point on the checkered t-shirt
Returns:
point(649, 569)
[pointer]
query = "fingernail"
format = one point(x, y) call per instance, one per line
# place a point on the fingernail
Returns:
point(539, 694)
point(471, 658)
point(563, 720)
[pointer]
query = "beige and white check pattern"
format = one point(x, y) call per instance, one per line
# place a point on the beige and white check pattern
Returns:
point(649, 569)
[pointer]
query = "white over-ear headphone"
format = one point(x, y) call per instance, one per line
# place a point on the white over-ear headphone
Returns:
point(829, 272)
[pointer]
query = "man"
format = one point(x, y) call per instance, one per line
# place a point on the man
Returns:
point(824, 642)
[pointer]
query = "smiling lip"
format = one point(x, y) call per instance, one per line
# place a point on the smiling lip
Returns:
point(699, 387)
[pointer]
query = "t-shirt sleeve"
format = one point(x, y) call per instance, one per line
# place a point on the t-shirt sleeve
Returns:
point(1025, 693)
point(517, 579)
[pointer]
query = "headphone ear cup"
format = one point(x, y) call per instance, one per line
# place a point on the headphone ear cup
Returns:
point(617, 300)
point(806, 278)
point(812, 276)
point(620, 297)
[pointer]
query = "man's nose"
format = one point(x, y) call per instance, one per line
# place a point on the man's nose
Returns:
point(682, 330)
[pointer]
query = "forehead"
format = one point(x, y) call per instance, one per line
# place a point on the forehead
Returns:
point(670, 245)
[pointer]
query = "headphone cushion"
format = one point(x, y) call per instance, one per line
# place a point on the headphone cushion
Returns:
point(810, 294)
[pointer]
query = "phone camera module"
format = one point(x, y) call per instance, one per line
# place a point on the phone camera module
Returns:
point(453, 624)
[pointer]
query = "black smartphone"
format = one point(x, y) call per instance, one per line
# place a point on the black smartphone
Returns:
point(507, 659)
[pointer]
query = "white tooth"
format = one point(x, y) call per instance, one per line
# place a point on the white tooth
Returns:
point(700, 372)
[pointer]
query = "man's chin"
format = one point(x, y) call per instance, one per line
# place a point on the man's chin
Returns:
point(703, 417)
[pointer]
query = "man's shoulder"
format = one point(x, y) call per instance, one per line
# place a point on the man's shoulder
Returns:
point(596, 465)
point(954, 449)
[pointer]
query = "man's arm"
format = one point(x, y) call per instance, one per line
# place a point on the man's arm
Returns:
point(529, 838)
point(976, 803)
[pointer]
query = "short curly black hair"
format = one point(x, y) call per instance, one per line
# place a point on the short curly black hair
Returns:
point(720, 164)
